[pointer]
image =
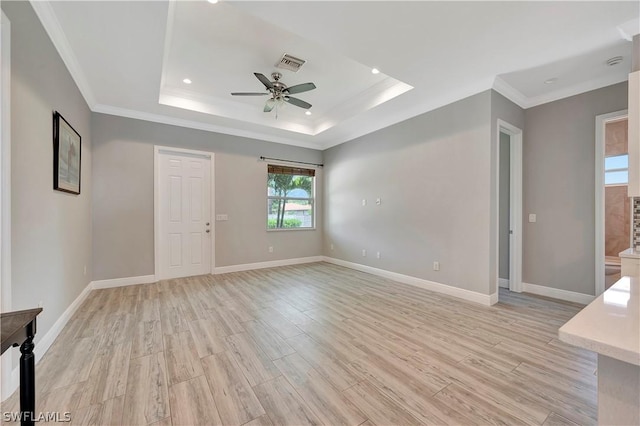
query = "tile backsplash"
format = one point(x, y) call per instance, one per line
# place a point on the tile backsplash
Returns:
point(636, 223)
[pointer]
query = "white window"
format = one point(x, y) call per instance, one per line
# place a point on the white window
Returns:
point(616, 170)
point(290, 197)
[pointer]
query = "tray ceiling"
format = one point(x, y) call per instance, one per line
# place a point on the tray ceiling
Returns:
point(130, 58)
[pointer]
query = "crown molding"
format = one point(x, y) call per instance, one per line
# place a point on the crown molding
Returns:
point(629, 29)
point(524, 102)
point(576, 89)
point(52, 26)
point(506, 90)
point(164, 119)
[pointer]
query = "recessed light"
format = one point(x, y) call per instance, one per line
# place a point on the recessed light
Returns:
point(213, 1)
point(308, 112)
point(551, 80)
point(375, 71)
point(187, 81)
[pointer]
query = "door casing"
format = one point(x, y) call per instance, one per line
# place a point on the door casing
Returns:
point(601, 121)
point(515, 204)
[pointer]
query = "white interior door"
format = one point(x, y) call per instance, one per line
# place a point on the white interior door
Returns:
point(184, 215)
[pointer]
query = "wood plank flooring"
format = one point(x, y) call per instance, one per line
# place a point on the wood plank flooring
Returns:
point(313, 344)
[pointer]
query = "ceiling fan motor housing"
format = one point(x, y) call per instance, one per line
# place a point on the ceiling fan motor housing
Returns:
point(278, 87)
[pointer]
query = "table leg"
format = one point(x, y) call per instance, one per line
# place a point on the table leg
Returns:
point(27, 383)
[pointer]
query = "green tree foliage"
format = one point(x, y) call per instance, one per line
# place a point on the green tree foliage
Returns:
point(288, 223)
point(282, 185)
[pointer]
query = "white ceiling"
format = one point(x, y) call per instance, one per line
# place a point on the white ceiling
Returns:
point(220, 47)
point(129, 58)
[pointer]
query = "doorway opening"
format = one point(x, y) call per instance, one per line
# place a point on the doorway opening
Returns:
point(509, 247)
point(183, 206)
point(613, 206)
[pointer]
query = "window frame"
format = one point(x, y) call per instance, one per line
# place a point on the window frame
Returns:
point(617, 169)
point(311, 200)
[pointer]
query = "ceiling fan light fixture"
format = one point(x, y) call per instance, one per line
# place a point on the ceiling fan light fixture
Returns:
point(307, 112)
point(187, 81)
point(375, 71)
point(279, 92)
point(212, 1)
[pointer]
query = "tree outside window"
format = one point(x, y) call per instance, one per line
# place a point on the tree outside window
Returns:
point(290, 197)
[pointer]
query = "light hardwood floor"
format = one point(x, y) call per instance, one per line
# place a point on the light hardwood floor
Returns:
point(313, 344)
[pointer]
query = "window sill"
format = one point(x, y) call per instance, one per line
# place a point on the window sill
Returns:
point(290, 229)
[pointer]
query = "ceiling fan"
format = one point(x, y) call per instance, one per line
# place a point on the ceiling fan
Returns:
point(279, 92)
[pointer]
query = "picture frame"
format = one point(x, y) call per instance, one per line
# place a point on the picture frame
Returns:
point(67, 156)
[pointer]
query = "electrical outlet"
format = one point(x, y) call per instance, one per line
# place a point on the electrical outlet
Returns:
point(364, 202)
point(270, 249)
point(378, 255)
point(436, 266)
point(364, 253)
point(331, 246)
point(378, 201)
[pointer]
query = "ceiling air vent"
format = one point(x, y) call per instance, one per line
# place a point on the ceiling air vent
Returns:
point(614, 61)
point(290, 63)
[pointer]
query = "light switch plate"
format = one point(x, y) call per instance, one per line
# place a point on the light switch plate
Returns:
point(532, 217)
point(220, 217)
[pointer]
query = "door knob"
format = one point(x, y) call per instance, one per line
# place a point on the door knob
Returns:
point(207, 231)
point(207, 223)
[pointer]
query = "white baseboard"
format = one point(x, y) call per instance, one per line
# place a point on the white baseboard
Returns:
point(471, 296)
point(270, 264)
point(121, 282)
point(503, 282)
point(43, 345)
point(556, 293)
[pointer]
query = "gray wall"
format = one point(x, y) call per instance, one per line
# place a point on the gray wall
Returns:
point(558, 179)
point(51, 230)
point(504, 197)
point(123, 196)
point(432, 173)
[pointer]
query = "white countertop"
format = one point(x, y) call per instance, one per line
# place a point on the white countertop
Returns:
point(610, 325)
point(630, 253)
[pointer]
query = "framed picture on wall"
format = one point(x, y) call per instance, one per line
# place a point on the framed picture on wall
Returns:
point(67, 150)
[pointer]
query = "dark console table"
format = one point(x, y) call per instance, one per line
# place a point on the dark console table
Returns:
point(18, 329)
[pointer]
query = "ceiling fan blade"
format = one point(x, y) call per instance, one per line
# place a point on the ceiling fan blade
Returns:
point(297, 102)
point(248, 94)
point(264, 80)
point(299, 88)
point(268, 106)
